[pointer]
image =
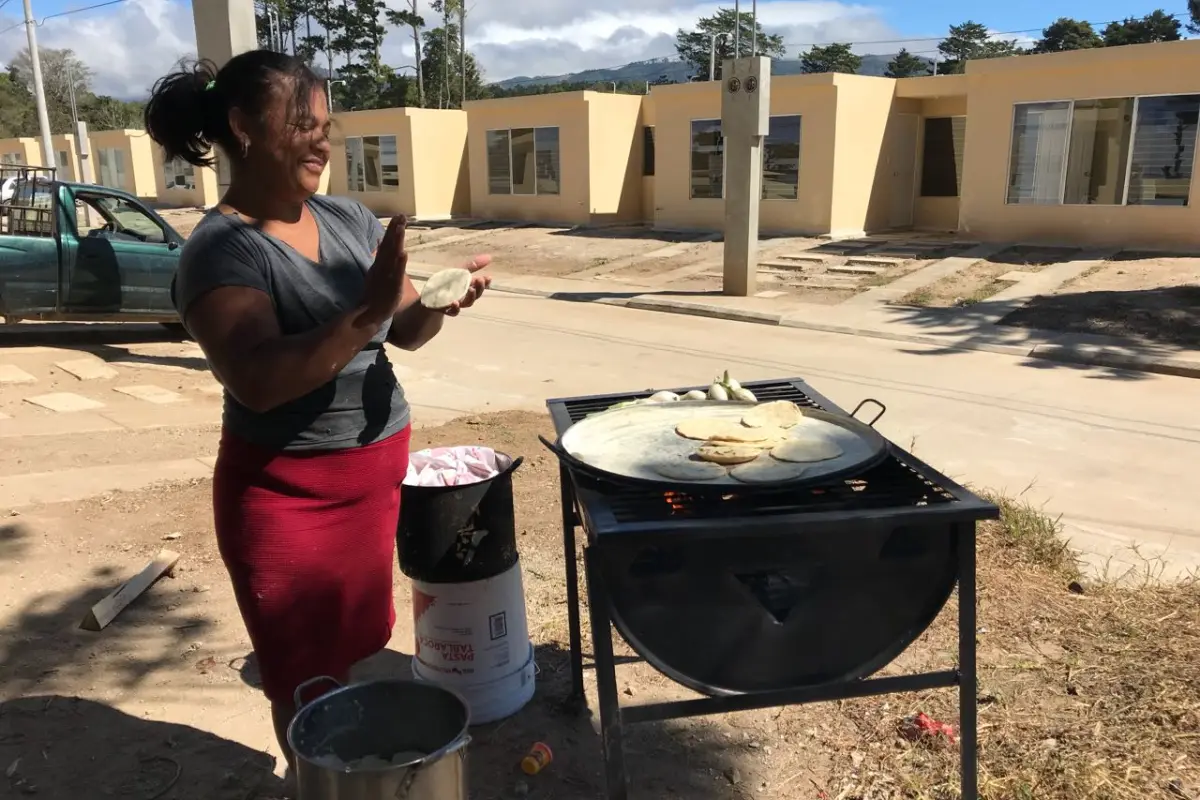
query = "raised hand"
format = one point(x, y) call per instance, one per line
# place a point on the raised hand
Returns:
point(385, 278)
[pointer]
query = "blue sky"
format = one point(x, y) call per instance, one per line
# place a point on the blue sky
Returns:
point(130, 44)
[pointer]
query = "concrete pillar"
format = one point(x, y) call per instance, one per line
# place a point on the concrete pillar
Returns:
point(224, 28)
point(745, 120)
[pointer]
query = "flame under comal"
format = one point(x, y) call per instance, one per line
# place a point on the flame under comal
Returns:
point(682, 503)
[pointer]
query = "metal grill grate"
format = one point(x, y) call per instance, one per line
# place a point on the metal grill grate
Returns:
point(892, 484)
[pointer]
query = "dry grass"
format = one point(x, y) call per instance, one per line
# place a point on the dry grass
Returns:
point(1085, 693)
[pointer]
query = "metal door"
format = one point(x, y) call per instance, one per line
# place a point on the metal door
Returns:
point(125, 265)
point(900, 160)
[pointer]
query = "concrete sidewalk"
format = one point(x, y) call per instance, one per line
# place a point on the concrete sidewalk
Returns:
point(971, 328)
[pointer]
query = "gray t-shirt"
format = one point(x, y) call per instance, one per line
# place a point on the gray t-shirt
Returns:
point(364, 403)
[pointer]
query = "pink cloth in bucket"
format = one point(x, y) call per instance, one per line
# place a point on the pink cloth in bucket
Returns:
point(451, 466)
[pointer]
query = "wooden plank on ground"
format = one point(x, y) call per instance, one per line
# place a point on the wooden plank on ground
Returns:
point(107, 609)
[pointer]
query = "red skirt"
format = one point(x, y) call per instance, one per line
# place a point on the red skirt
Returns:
point(309, 540)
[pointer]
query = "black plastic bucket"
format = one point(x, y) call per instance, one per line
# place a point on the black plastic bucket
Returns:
point(457, 534)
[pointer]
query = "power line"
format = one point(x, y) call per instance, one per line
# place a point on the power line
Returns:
point(42, 21)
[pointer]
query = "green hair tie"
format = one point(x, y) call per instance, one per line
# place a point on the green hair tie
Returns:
point(208, 87)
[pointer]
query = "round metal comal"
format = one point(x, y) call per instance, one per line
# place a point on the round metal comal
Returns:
point(731, 615)
point(386, 739)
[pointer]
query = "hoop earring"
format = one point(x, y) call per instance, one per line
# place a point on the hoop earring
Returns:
point(245, 147)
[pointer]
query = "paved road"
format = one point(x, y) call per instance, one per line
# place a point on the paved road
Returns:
point(1111, 454)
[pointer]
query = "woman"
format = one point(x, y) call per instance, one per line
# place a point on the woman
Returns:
point(292, 296)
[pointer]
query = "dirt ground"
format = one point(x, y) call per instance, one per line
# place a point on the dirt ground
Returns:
point(1137, 296)
point(982, 279)
point(552, 251)
point(1091, 695)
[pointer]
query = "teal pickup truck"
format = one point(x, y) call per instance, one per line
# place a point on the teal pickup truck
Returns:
point(75, 252)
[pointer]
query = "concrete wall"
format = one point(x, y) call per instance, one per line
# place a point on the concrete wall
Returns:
point(996, 85)
point(813, 97)
point(431, 152)
point(27, 149)
point(615, 157)
point(138, 155)
point(567, 111)
point(205, 194)
point(68, 168)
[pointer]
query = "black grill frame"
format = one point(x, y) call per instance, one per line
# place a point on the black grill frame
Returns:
point(902, 490)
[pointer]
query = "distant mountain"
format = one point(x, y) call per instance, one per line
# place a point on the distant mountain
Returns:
point(670, 71)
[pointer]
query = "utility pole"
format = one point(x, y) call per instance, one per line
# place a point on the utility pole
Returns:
point(754, 27)
point(737, 29)
point(712, 54)
point(462, 48)
point(39, 90)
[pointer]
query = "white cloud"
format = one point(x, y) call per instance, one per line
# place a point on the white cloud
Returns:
point(131, 44)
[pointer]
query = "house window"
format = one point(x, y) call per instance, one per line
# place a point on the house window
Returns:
point(372, 164)
point(523, 161)
point(179, 174)
point(942, 156)
point(648, 150)
point(499, 163)
point(781, 159)
point(1113, 151)
point(111, 163)
point(11, 158)
point(1164, 150)
point(708, 160)
point(64, 162)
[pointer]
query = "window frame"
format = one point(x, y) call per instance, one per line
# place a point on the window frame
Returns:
point(1062, 182)
point(799, 159)
point(352, 179)
point(724, 161)
point(920, 177)
point(508, 132)
point(649, 151)
point(174, 168)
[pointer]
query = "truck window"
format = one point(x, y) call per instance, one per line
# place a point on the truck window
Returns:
point(114, 218)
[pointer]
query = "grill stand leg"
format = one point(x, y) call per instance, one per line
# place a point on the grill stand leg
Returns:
point(606, 679)
point(967, 686)
point(576, 638)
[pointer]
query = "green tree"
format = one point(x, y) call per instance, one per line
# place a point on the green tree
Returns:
point(1193, 16)
point(408, 17)
point(836, 57)
point(16, 107)
point(905, 65)
point(969, 41)
point(62, 73)
point(442, 63)
point(1157, 26)
point(694, 46)
point(1067, 34)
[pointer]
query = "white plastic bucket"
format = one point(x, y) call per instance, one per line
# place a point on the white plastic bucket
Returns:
point(474, 638)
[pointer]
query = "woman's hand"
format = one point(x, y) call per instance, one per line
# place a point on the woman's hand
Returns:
point(387, 276)
point(479, 283)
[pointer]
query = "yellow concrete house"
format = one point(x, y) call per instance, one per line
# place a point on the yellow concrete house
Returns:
point(124, 159)
point(573, 158)
point(402, 160)
point(24, 150)
point(1092, 147)
point(181, 185)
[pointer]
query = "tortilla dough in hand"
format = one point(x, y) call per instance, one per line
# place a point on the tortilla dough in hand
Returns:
point(721, 430)
point(689, 469)
point(445, 288)
point(767, 470)
point(807, 450)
